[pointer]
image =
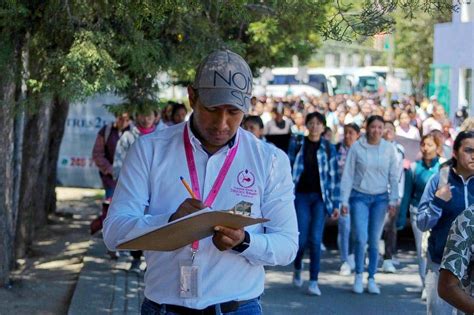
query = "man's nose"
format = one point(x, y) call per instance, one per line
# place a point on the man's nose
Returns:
point(220, 119)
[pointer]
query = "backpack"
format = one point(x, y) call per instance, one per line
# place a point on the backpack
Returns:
point(108, 131)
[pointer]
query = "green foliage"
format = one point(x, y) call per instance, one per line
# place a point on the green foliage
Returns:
point(367, 18)
point(81, 47)
point(145, 107)
point(414, 43)
point(88, 67)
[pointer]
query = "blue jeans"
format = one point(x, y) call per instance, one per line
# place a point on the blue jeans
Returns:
point(310, 212)
point(343, 236)
point(252, 307)
point(367, 218)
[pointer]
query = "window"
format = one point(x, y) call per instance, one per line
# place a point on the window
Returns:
point(467, 11)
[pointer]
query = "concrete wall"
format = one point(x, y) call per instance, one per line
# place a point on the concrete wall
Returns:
point(454, 46)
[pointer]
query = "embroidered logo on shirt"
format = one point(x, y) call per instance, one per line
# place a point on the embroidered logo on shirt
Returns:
point(246, 179)
point(245, 186)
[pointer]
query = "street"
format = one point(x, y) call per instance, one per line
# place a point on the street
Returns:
point(400, 291)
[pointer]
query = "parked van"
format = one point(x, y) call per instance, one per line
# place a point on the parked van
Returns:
point(284, 82)
point(337, 81)
point(401, 82)
point(362, 79)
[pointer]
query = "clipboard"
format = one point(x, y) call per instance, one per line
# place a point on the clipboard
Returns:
point(186, 230)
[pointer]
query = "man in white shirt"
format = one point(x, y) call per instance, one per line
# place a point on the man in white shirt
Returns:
point(225, 165)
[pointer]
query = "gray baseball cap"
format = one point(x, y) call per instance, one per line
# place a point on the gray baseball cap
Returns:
point(224, 78)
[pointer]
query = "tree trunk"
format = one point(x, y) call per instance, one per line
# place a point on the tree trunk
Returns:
point(8, 205)
point(19, 127)
point(56, 133)
point(33, 180)
point(7, 210)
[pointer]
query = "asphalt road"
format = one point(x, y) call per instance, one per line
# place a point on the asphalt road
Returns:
point(400, 291)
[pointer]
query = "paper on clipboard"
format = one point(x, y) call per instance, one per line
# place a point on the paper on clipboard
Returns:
point(187, 229)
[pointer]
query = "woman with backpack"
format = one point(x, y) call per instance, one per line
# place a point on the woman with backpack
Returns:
point(415, 182)
point(314, 164)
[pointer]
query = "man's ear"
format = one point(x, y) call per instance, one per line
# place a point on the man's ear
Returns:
point(192, 97)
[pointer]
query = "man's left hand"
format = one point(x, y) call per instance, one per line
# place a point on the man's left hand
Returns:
point(225, 238)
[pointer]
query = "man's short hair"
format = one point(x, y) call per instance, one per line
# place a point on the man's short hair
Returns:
point(353, 126)
point(254, 119)
point(316, 115)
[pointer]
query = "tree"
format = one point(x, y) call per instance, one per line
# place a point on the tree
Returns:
point(414, 45)
point(367, 18)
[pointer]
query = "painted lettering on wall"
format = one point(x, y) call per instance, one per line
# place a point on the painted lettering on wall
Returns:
point(91, 123)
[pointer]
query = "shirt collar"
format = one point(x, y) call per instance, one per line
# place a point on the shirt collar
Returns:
point(434, 161)
point(195, 140)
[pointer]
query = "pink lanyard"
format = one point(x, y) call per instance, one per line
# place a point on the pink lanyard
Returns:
point(195, 180)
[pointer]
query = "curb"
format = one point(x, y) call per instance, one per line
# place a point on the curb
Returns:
point(106, 286)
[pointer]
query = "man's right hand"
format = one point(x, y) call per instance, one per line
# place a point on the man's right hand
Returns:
point(186, 208)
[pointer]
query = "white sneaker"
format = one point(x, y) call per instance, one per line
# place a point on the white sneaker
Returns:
point(358, 286)
point(351, 261)
point(345, 269)
point(388, 266)
point(372, 287)
point(313, 288)
point(423, 295)
point(323, 247)
point(297, 281)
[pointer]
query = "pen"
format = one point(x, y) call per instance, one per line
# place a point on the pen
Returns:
point(190, 191)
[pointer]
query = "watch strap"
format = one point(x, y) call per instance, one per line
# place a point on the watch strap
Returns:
point(244, 244)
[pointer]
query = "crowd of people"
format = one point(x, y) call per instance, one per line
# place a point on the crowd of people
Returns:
point(381, 182)
point(372, 166)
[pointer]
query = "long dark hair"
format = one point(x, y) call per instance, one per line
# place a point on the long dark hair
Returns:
point(463, 135)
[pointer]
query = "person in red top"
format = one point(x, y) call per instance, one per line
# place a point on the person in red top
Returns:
point(103, 156)
point(104, 149)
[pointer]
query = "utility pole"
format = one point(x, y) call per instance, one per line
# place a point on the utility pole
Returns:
point(390, 42)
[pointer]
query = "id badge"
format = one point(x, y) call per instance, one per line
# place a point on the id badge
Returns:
point(188, 280)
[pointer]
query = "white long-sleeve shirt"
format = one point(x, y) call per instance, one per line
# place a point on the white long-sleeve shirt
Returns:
point(125, 142)
point(150, 179)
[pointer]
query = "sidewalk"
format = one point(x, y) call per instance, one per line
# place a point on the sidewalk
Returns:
point(107, 287)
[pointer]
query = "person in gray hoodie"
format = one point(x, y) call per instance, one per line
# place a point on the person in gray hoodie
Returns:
point(369, 186)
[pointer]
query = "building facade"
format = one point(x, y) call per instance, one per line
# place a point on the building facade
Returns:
point(453, 59)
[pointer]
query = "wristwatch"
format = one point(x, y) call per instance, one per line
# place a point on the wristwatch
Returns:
point(244, 245)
